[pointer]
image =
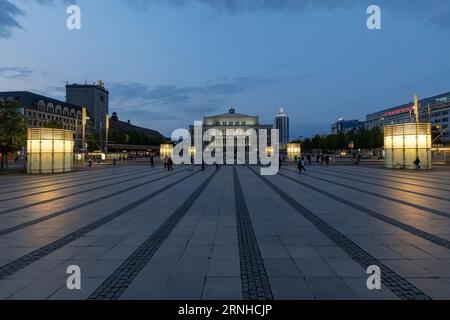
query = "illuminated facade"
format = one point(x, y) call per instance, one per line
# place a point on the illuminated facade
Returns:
point(406, 142)
point(166, 150)
point(294, 151)
point(239, 124)
point(435, 109)
point(49, 151)
point(40, 110)
point(282, 124)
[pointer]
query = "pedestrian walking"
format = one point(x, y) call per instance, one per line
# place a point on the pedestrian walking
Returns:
point(301, 165)
point(169, 164)
point(165, 162)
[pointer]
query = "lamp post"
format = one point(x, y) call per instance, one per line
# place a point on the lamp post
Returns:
point(107, 132)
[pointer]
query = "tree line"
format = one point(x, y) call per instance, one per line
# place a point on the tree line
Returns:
point(361, 139)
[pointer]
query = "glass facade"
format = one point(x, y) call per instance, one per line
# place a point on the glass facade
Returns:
point(49, 151)
point(406, 142)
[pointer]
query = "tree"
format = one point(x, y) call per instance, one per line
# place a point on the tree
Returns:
point(362, 138)
point(13, 129)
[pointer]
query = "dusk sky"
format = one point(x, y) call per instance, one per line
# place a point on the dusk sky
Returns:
point(170, 62)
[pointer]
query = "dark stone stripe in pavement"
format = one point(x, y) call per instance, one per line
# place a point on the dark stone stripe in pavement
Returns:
point(116, 284)
point(73, 177)
point(379, 185)
point(378, 177)
point(406, 174)
point(81, 205)
point(24, 261)
point(406, 203)
point(90, 182)
point(401, 287)
point(80, 192)
point(406, 227)
point(255, 283)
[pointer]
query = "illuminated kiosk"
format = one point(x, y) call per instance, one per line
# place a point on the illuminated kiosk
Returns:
point(50, 151)
point(404, 143)
point(293, 150)
point(166, 150)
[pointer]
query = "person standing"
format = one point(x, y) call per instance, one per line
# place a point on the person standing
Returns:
point(165, 162)
point(152, 160)
point(417, 163)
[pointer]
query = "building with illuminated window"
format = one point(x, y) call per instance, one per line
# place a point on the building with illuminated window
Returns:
point(435, 110)
point(39, 110)
point(282, 124)
point(237, 122)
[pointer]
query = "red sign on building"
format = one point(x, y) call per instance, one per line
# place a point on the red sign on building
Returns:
point(399, 111)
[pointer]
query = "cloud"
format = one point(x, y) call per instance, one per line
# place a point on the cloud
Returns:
point(8, 14)
point(434, 12)
point(169, 102)
point(236, 6)
point(15, 73)
point(53, 2)
point(161, 107)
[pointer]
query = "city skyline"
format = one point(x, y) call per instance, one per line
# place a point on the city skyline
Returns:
point(256, 58)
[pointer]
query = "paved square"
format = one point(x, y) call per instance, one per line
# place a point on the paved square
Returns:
point(142, 233)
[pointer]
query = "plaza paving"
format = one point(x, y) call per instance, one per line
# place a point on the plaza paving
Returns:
point(143, 233)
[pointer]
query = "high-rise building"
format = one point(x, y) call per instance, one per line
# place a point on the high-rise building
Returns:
point(282, 124)
point(95, 98)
